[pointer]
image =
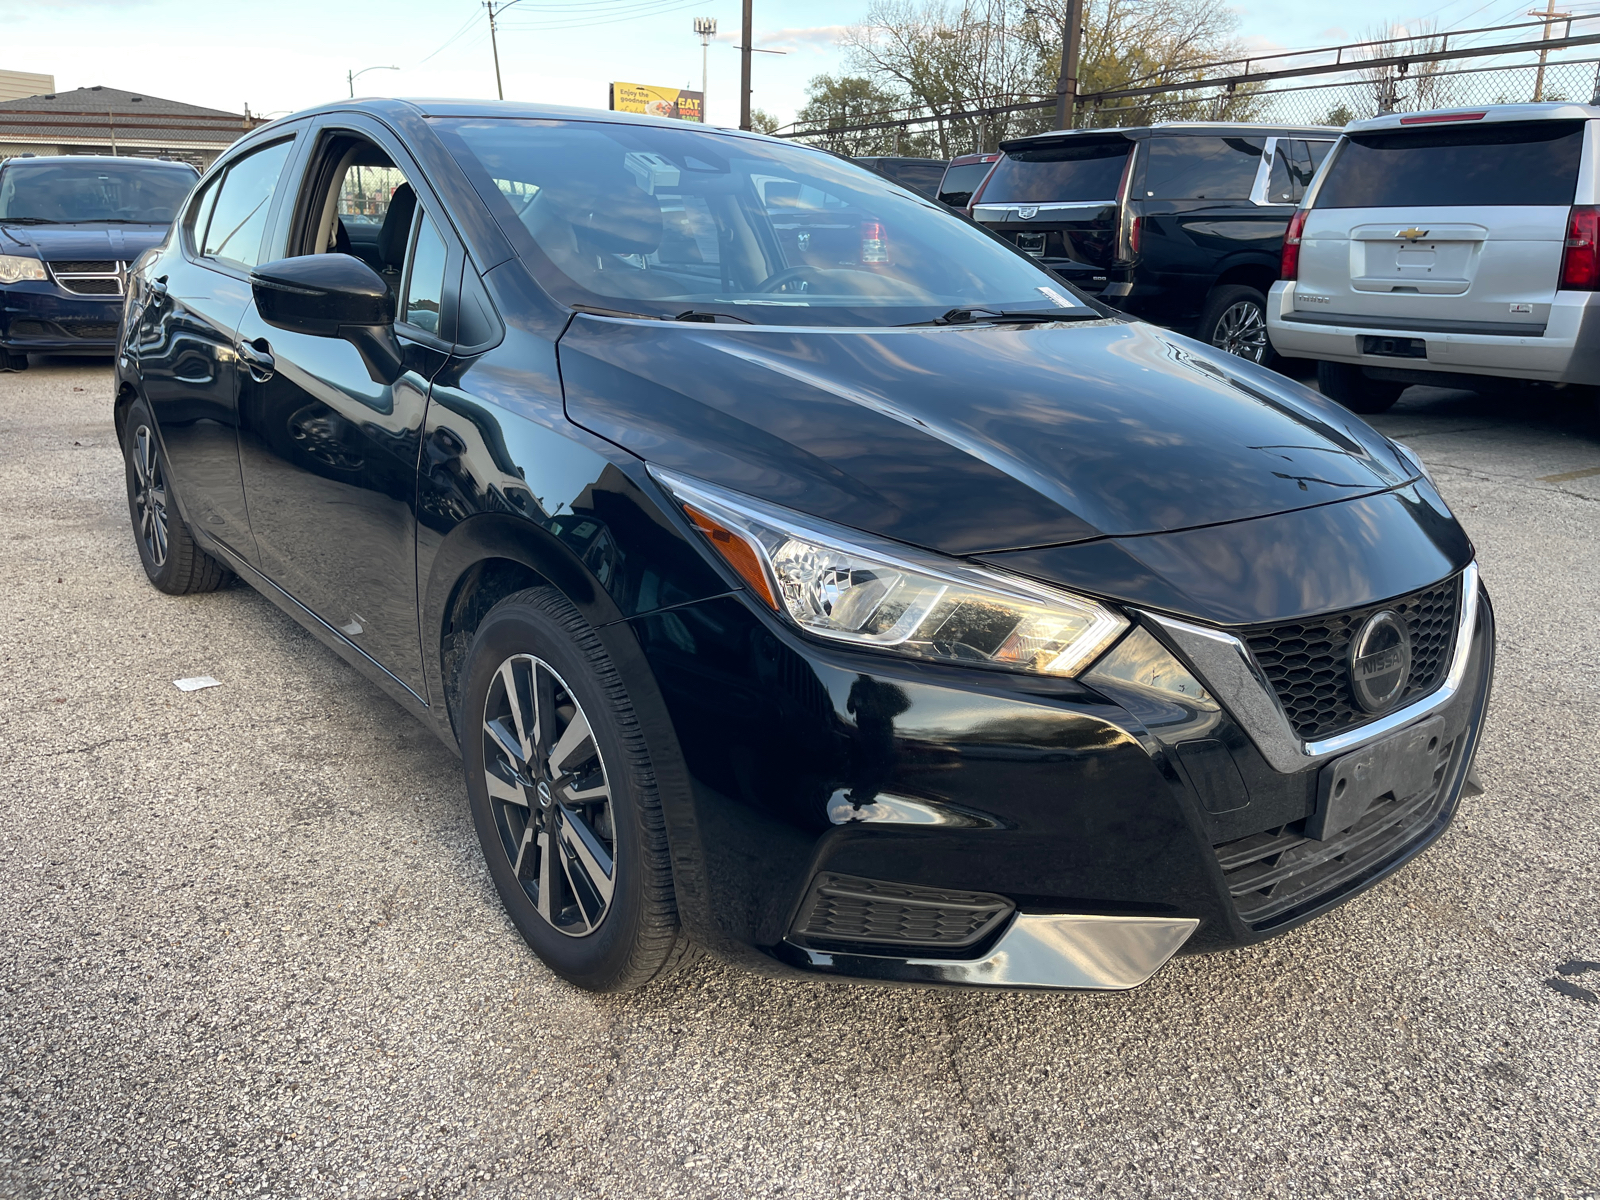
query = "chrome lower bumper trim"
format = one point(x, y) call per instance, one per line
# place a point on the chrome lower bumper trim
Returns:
point(1037, 951)
point(1226, 667)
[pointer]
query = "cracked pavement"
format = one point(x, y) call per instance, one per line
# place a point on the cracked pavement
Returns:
point(247, 947)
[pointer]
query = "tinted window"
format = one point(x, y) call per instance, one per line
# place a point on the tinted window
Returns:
point(1084, 170)
point(960, 182)
point(1503, 163)
point(663, 221)
point(240, 216)
point(920, 177)
point(1202, 168)
point(425, 285)
point(1318, 151)
point(1292, 170)
point(64, 192)
point(200, 213)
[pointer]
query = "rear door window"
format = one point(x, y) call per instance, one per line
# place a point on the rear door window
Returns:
point(240, 216)
point(1202, 168)
point(1533, 163)
point(1292, 169)
point(1086, 170)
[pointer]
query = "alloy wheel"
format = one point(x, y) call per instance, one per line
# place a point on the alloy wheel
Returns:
point(550, 795)
point(150, 495)
point(1242, 330)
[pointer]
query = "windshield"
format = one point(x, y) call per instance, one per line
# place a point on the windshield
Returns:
point(1498, 164)
point(59, 192)
point(663, 222)
point(1084, 170)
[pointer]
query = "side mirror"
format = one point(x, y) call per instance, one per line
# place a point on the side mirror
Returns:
point(332, 295)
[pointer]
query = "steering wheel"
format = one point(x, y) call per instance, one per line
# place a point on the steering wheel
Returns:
point(788, 275)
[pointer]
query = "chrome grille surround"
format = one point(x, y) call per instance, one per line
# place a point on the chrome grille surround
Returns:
point(90, 277)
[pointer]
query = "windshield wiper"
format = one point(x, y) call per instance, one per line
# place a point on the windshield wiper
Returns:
point(710, 318)
point(29, 221)
point(995, 316)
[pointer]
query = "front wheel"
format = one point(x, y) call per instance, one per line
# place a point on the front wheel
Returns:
point(564, 798)
point(1235, 320)
point(1347, 385)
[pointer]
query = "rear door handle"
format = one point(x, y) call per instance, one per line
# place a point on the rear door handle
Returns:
point(257, 358)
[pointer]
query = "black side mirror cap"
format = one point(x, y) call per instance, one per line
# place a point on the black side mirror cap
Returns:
point(332, 295)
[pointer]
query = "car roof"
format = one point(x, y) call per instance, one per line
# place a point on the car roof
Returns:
point(504, 110)
point(1201, 128)
point(123, 159)
point(1555, 110)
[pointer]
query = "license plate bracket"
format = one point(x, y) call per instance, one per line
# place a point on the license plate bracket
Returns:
point(1402, 763)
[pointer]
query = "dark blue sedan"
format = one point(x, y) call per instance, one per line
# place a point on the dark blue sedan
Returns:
point(69, 227)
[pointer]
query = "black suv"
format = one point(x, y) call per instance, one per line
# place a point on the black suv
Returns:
point(1178, 223)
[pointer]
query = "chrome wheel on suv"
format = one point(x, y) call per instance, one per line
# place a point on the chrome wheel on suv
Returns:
point(1242, 330)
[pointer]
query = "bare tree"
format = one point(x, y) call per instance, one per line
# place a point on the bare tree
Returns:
point(1414, 86)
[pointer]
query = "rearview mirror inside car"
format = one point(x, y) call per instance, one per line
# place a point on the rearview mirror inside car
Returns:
point(332, 295)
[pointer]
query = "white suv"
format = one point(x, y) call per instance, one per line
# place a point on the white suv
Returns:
point(1447, 248)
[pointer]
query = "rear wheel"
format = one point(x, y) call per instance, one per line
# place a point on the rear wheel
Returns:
point(564, 798)
point(1346, 385)
point(172, 560)
point(1235, 320)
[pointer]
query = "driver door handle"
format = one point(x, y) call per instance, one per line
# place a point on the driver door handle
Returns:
point(257, 358)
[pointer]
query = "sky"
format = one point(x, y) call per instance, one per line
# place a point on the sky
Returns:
point(279, 56)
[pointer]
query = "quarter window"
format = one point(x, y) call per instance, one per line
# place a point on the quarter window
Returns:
point(200, 214)
point(425, 284)
point(1202, 168)
point(239, 216)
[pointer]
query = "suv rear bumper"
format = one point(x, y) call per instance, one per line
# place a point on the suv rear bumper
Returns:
point(1566, 350)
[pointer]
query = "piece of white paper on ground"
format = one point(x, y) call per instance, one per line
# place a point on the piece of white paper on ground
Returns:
point(195, 682)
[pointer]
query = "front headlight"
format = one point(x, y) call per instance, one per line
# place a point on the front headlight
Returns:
point(14, 268)
point(851, 587)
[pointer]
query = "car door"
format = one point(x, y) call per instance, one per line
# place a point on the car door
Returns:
point(329, 454)
point(184, 339)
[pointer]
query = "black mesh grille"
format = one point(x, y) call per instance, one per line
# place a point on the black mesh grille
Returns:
point(1307, 661)
point(843, 908)
point(1272, 873)
point(85, 266)
point(92, 287)
point(94, 331)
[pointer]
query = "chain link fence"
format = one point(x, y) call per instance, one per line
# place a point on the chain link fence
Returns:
point(1353, 95)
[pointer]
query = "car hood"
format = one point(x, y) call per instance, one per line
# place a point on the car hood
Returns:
point(978, 438)
point(91, 241)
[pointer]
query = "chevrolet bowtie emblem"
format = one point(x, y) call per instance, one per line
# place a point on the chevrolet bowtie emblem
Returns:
point(1412, 234)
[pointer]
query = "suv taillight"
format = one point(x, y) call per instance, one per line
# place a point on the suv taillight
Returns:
point(1580, 262)
point(874, 245)
point(1289, 266)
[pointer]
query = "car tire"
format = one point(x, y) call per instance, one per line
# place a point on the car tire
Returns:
point(1235, 320)
point(587, 882)
point(172, 560)
point(1345, 384)
point(11, 360)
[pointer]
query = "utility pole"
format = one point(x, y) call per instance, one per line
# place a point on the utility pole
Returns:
point(1067, 84)
point(494, 11)
point(744, 65)
point(706, 27)
point(1551, 16)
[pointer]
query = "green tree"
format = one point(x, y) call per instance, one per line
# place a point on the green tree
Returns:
point(762, 121)
point(835, 103)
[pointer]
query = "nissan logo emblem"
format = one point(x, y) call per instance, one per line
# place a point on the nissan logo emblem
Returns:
point(1380, 661)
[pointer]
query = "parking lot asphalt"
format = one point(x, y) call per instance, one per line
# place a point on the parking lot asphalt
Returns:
point(248, 947)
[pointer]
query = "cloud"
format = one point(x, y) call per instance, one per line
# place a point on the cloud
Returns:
point(817, 38)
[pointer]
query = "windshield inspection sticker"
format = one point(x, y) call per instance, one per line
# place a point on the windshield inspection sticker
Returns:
point(1057, 298)
point(195, 682)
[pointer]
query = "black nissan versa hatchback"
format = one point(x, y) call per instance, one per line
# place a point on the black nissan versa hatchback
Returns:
point(905, 617)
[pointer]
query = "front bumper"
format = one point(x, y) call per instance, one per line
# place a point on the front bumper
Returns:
point(1088, 811)
point(38, 317)
point(1565, 350)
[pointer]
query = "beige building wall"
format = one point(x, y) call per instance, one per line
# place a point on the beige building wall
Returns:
point(17, 85)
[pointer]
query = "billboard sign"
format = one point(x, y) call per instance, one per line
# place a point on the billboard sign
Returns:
point(658, 101)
